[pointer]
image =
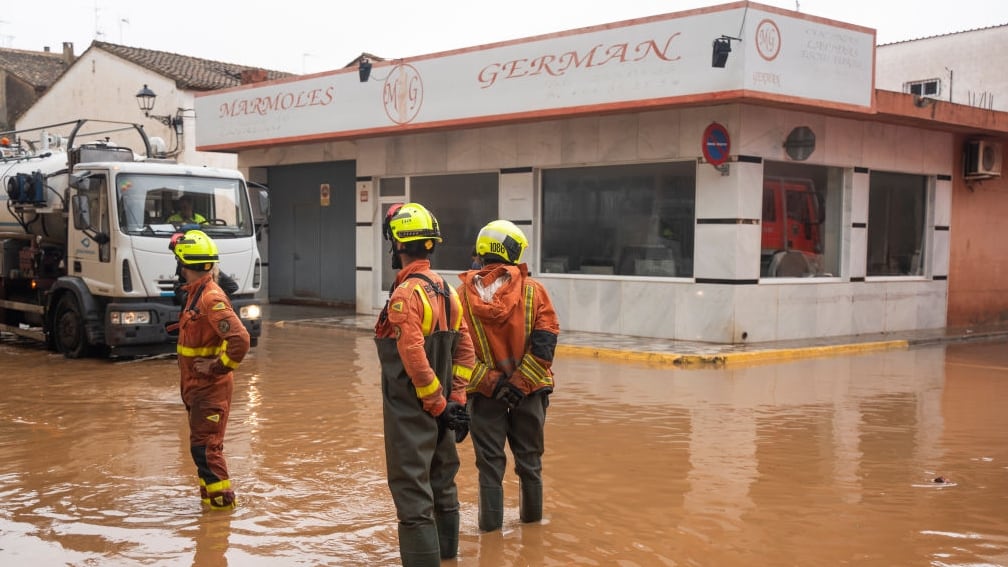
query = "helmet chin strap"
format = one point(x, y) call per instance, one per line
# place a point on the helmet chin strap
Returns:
point(396, 258)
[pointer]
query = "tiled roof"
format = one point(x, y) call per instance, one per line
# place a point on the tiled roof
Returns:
point(38, 68)
point(945, 34)
point(190, 73)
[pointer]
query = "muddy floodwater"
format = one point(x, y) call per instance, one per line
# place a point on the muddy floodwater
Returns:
point(827, 461)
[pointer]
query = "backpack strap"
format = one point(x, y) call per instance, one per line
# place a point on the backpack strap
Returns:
point(444, 291)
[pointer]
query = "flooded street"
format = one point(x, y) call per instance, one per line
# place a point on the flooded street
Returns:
point(827, 461)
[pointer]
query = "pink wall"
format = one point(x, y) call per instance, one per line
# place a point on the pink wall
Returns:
point(978, 250)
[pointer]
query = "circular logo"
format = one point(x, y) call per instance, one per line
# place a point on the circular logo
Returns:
point(768, 40)
point(716, 144)
point(402, 94)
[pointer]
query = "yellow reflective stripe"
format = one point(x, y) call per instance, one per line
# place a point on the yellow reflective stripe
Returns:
point(219, 485)
point(477, 328)
point(226, 361)
point(198, 351)
point(463, 372)
point(427, 325)
point(456, 324)
point(535, 372)
point(479, 371)
point(429, 389)
point(529, 317)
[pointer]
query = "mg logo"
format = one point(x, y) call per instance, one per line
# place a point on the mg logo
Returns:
point(402, 94)
point(768, 40)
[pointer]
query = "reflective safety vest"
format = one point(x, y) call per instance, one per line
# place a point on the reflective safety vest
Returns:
point(534, 372)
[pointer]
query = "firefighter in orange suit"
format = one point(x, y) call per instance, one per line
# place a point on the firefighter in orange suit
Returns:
point(514, 330)
point(426, 358)
point(212, 342)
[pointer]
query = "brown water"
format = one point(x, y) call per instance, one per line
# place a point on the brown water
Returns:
point(817, 462)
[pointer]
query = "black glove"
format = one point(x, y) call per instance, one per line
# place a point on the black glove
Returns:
point(508, 393)
point(456, 418)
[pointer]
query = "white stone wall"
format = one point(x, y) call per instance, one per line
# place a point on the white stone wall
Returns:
point(679, 308)
point(101, 86)
point(967, 63)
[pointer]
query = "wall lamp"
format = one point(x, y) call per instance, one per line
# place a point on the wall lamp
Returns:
point(720, 50)
point(364, 69)
point(145, 99)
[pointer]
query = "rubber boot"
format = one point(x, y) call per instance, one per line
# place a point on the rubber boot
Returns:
point(491, 508)
point(530, 501)
point(448, 534)
point(220, 496)
point(204, 497)
point(418, 546)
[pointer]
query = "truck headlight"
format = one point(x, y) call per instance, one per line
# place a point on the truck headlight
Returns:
point(249, 312)
point(130, 317)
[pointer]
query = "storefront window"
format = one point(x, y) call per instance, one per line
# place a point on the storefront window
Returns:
point(801, 220)
point(463, 204)
point(635, 220)
point(897, 205)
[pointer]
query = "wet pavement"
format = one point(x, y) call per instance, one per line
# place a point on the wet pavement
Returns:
point(676, 352)
point(812, 460)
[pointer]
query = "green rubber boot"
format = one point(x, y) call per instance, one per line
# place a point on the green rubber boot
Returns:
point(448, 534)
point(418, 546)
point(530, 501)
point(491, 508)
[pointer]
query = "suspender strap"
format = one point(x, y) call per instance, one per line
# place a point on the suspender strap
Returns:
point(449, 296)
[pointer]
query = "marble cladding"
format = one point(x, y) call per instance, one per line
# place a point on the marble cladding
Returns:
point(682, 310)
point(679, 308)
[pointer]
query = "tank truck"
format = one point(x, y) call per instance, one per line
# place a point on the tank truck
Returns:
point(85, 264)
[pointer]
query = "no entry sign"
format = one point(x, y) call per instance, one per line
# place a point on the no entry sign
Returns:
point(716, 144)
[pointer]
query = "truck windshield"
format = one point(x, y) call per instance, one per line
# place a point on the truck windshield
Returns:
point(160, 205)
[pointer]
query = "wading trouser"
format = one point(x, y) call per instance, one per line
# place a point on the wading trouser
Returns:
point(209, 405)
point(491, 424)
point(420, 456)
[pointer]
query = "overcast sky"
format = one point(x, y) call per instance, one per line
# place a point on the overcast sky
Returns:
point(320, 35)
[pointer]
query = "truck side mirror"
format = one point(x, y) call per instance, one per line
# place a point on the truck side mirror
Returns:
point(82, 220)
point(820, 208)
point(81, 212)
point(259, 195)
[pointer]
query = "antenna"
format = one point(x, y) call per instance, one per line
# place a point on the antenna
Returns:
point(97, 32)
point(5, 40)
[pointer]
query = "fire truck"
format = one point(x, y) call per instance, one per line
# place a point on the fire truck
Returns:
point(85, 231)
point(793, 216)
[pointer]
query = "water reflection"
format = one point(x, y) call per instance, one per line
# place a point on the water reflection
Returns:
point(818, 461)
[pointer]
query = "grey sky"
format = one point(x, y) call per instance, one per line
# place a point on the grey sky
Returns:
point(310, 37)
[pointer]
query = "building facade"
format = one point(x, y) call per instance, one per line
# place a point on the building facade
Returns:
point(772, 195)
point(102, 84)
point(960, 67)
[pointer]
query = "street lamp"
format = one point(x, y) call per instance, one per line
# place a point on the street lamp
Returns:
point(145, 100)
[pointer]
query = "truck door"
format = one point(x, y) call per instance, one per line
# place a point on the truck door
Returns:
point(89, 249)
point(791, 216)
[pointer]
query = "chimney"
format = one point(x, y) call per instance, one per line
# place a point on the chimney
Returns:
point(249, 76)
point(68, 54)
point(45, 49)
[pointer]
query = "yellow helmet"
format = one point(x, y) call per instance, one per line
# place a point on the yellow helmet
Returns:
point(410, 222)
point(196, 251)
point(501, 239)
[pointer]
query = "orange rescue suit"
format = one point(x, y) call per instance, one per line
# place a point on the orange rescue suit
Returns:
point(514, 334)
point(413, 312)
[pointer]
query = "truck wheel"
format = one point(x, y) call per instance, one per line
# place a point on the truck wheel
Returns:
point(68, 328)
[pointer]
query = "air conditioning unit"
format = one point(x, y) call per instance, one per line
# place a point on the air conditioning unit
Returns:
point(983, 159)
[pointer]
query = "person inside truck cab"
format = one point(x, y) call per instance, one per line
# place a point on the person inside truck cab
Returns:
point(185, 213)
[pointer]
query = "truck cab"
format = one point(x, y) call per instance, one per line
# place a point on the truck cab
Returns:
point(85, 233)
